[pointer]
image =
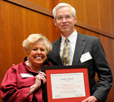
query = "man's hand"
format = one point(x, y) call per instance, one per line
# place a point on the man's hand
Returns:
point(91, 99)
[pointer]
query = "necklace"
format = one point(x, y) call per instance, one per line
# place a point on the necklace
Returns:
point(27, 63)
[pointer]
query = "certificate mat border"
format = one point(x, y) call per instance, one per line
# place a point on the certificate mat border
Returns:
point(54, 70)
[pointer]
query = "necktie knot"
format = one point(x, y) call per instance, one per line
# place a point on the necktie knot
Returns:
point(66, 40)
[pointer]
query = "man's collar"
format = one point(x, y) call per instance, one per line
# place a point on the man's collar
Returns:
point(70, 37)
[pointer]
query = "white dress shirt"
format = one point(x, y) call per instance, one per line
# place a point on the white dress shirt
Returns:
point(72, 40)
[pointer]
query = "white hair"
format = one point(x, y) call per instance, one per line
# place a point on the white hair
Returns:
point(27, 43)
point(73, 11)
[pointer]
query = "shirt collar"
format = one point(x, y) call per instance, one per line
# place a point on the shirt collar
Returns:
point(70, 37)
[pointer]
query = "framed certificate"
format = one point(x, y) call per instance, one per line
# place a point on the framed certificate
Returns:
point(66, 83)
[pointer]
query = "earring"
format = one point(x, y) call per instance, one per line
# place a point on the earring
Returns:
point(28, 58)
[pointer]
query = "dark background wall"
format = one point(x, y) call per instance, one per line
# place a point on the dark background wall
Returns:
point(20, 18)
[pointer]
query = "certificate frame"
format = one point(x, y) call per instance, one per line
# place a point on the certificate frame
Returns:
point(66, 70)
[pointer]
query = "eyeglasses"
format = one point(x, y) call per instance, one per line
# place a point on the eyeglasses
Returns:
point(60, 18)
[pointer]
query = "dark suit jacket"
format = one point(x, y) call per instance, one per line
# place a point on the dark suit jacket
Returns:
point(98, 63)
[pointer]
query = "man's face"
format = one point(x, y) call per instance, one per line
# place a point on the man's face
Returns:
point(65, 21)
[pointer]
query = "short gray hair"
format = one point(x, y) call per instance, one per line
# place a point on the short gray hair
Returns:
point(27, 43)
point(73, 11)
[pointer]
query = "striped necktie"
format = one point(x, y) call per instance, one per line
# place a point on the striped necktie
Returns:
point(66, 53)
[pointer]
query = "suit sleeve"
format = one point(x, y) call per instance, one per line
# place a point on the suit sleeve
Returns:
point(9, 90)
point(104, 72)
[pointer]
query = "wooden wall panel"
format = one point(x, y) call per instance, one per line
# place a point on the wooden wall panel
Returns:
point(48, 4)
point(16, 23)
point(95, 17)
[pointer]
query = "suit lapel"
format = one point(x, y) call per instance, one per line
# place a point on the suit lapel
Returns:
point(56, 48)
point(80, 44)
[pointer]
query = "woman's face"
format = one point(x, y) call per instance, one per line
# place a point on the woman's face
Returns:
point(38, 53)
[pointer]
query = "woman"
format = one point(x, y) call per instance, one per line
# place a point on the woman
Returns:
point(23, 82)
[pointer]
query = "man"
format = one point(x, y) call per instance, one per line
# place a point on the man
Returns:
point(84, 50)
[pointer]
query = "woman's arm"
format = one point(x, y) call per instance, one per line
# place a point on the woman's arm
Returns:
point(40, 77)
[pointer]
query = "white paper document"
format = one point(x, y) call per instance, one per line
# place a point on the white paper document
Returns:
point(26, 75)
point(67, 85)
point(85, 57)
